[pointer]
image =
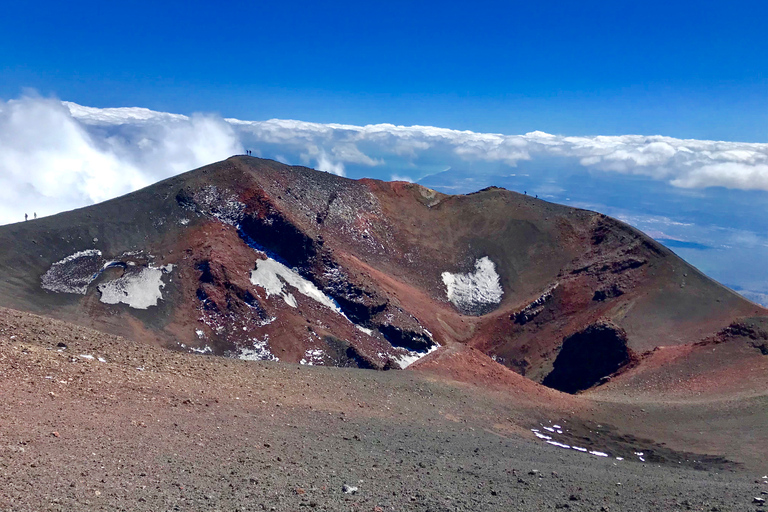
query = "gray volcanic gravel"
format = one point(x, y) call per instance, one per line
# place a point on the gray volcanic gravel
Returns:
point(149, 429)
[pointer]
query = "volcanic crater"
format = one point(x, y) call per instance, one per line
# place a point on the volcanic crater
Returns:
point(534, 307)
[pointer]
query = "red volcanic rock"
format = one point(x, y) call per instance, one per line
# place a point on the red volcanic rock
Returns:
point(255, 259)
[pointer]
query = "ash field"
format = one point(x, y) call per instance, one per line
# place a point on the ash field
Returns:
point(255, 336)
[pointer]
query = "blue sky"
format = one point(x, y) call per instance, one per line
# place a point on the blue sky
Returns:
point(683, 69)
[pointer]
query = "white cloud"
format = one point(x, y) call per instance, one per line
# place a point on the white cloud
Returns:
point(56, 156)
point(745, 176)
point(326, 165)
point(681, 162)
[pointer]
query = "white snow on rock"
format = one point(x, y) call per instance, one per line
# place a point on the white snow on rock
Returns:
point(138, 289)
point(221, 204)
point(313, 357)
point(259, 351)
point(412, 356)
point(360, 328)
point(475, 291)
point(549, 440)
point(272, 276)
point(74, 273)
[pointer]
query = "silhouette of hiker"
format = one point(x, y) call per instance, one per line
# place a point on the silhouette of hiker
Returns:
point(26, 217)
point(35, 214)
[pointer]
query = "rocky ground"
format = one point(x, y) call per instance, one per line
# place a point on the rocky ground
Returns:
point(110, 424)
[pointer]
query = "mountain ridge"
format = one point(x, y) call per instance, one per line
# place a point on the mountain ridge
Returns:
point(253, 258)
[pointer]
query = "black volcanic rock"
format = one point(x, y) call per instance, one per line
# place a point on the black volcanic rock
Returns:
point(589, 356)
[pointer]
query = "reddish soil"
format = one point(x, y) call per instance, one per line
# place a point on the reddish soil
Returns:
point(192, 431)
point(150, 429)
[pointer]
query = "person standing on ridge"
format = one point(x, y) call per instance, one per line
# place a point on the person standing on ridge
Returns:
point(26, 217)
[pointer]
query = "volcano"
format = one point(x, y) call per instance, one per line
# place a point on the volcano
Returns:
point(551, 354)
point(254, 259)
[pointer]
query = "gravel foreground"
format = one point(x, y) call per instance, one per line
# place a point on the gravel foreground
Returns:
point(148, 429)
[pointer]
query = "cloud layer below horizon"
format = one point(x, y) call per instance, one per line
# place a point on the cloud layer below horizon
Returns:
point(56, 156)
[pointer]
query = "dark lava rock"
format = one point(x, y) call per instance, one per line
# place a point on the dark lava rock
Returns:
point(588, 356)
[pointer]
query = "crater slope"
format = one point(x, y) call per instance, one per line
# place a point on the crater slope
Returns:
point(259, 260)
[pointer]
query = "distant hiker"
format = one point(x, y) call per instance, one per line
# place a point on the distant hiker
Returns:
point(525, 192)
point(35, 214)
point(26, 217)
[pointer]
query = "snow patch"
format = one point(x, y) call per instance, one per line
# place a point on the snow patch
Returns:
point(412, 356)
point(272, 276)
point(223, 205)
point(74, 273)
point(556, 429)
point(313, 357)
point(475, 292)
point(138, 289)
point(259, 351)
point(360, 328)
point(265, 322)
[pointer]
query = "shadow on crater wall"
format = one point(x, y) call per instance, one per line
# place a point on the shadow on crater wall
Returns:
point(588, 356)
